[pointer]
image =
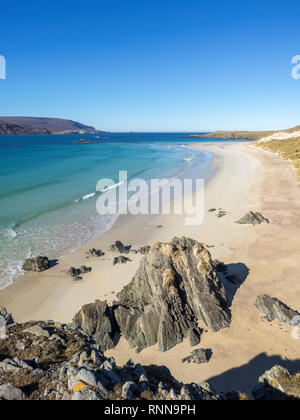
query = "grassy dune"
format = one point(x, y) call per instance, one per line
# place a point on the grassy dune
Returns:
point(288, 149)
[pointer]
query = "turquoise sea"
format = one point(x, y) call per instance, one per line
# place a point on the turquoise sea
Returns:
point(48, 185)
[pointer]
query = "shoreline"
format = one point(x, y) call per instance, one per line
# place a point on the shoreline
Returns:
point(244, 179)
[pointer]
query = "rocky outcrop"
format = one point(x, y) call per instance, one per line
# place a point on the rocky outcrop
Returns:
point(36, 264)
point(66, 364)
point(95, 320)
point(277, 384)
point(252, 218)
point(275, 309)
point(175, 286)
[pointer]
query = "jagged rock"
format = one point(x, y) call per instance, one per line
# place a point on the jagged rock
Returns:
point(194, 335)
point(252, 218)
point(95, 320)
point(118, 247)
point(87, 377)
point(277, 384)
point(36, 264)
point(198, 356)
point(95, 252)
point(37, 331)
point(10, 393)
point(275, 309)
point(175, 286)
point(120, 260)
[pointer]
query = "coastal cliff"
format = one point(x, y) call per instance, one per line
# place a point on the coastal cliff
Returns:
point(244, 135)
point(31, 125)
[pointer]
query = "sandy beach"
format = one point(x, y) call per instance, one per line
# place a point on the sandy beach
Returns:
point(266, 257)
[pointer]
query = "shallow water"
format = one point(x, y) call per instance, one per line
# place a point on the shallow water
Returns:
point(48, 187)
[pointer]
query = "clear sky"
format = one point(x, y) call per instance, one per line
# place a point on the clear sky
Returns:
point(165, 65)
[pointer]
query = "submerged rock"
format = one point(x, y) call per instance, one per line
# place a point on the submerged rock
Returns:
point(252, 218)
point(95, 320)
point(36, 264)
point(175, 286)
point(275, 309)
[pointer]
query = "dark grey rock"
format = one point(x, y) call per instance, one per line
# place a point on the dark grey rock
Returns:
point(194, 336)
point(95, 252)
point(119, 247)
point(36, 264)
point(84, 269)
point(175, 286)
point(120, 260)
point(275, 309)
point(73, 272)
point(95, 320)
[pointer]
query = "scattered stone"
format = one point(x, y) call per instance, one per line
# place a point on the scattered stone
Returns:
point(36, 264)
point(198, 356)
point(212, 210)
point(252, 218)
point(275, 309)
point(84, 269)
point(73, 272)
point(95, 252)
point(221, 213)
point(120, 260)
point(119, 247)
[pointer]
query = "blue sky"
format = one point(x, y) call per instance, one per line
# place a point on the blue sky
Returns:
point(152, 65)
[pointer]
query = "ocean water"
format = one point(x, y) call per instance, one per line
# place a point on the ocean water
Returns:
point(48, 186)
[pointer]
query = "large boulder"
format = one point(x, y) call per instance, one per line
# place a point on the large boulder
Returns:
point(95, 320)
point(175, 286)
point(275, 309)
point(36, 264)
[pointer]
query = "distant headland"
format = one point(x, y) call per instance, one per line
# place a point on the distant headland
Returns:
point(35, 125)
